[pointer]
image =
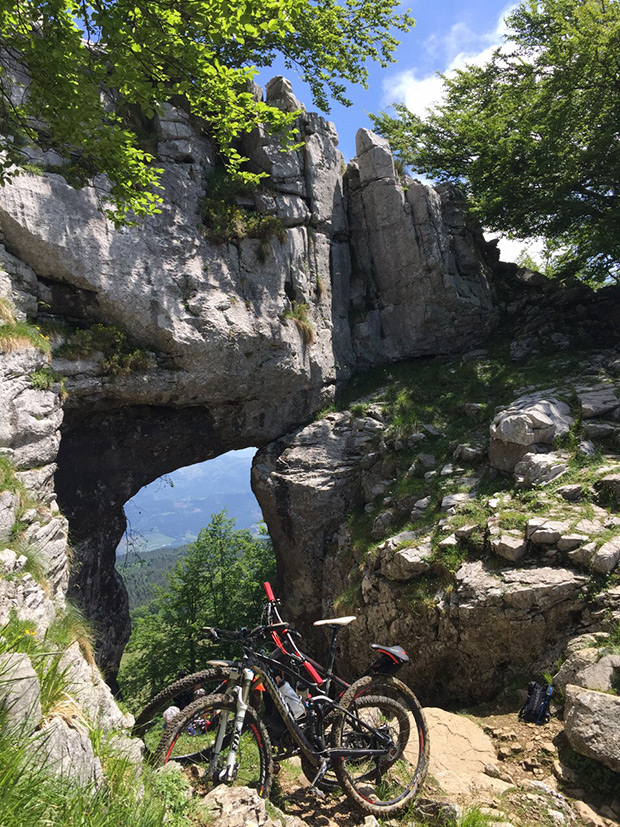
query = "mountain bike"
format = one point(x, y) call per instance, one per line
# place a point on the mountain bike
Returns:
point(214, 678)
point(375, 744)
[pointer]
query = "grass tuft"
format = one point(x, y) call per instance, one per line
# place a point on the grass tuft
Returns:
point(299, 315)
point(70, 626)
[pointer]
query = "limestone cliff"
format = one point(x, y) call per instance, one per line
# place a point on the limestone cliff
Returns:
point(229, 341)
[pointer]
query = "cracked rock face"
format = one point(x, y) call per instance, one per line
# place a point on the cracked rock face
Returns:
point(463, 643)
point(224, 366)
point(420, 283)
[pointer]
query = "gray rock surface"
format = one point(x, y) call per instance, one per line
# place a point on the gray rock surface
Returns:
point(65, 750)
point(509, 547)
point(607, 557)
point(87, 687)
point(241, 807)
point(20, 696)
point(405, 563)
point(592, 725)
point(202, 313)
point(539, 469)
point(410, 248)
point(305, 484)
point(314, 471)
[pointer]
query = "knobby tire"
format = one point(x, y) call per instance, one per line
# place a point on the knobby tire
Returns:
point(388, 784)
point(190, 737)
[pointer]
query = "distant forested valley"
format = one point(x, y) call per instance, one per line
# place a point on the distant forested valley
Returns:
point(142, 572)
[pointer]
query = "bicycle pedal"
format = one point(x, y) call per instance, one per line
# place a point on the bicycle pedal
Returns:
point(316, 793)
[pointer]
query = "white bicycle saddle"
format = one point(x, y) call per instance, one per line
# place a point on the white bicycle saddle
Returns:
point(336, 621)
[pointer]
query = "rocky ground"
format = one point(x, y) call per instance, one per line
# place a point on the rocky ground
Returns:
point(515, 773)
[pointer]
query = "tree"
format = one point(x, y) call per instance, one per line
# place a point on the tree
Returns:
point(78, 77)
point(533, 136)
point(218, 582)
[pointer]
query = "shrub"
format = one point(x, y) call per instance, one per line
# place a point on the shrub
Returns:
point(120, 353)
point(225, 221)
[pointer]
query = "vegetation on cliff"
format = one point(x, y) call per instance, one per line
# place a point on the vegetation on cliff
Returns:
point(437, 414)
point(84, 79)
point(532, 135)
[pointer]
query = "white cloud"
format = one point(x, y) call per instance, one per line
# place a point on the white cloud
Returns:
point(460, 46)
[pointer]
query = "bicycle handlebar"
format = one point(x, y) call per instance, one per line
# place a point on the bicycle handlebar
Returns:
point(244, 633)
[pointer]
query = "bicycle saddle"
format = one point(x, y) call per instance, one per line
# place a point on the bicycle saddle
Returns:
point(396, 653)
point(335, 621)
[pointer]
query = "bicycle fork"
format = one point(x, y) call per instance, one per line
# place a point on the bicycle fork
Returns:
point(242, 693)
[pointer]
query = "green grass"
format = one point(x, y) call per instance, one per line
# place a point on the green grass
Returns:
point(15, 335)
point(70, 626)
point(46, 378)
point(35, 561)
point(30, 794)
point(435, 392)
point(8, 480)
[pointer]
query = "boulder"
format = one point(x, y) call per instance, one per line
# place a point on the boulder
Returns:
point(592, 725)
point(582, 555)
point(573, 665)
point(603, 676)
point(529, 421)
point(408, 562)
point(546, 532)
point(65, 750)
point(509, 546)
point(607, 557)
point(539, 469)
point(242, 807)
point(597, 401)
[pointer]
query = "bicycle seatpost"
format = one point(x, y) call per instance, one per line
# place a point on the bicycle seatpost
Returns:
point(331, 658)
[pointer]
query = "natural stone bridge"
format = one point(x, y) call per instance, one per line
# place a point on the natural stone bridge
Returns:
point(381, 274)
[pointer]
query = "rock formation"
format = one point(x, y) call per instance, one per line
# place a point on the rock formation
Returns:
point(235, 339)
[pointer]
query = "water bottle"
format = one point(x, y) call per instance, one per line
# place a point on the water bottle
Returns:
point(292, 700)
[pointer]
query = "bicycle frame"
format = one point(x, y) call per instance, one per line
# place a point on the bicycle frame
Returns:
point(388, 662)
point(256, 666)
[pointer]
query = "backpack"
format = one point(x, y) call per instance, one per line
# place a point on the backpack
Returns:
point(536, 708)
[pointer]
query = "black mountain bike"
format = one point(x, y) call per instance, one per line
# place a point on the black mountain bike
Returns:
point(390, 659)
point(371, 739)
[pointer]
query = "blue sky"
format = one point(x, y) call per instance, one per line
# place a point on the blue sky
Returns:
point(447, 34)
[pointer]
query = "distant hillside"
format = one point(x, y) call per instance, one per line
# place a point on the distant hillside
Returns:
point(142, 572)
point(172, 510)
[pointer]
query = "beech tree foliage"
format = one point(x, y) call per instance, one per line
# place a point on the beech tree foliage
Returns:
point(75, 76)
point(533, 136)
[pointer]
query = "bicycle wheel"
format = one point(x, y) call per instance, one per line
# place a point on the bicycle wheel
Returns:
point(149, 723)
point(388, 778)
point(191, 740)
